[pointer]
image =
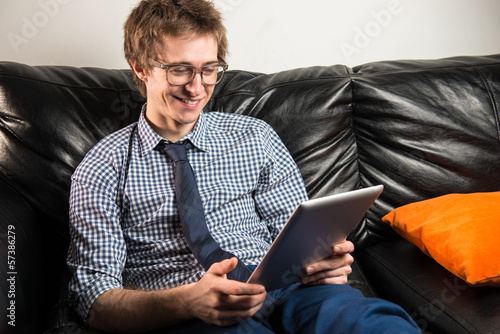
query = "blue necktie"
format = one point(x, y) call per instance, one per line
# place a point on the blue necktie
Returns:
point(206, 250)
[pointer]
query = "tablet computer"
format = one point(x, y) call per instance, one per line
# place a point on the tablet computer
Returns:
point(315, 226)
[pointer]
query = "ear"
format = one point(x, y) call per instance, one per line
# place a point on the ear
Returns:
point(140, 71)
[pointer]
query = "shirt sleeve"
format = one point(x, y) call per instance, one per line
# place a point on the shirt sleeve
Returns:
point(281, 187)
point(97, 250)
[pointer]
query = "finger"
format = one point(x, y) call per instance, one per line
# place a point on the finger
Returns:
point(240, 302)
point(232, 287)
point(231, 317)
point(241, 289)
point(337, 276)
point(329, 280)
point(339, 272)
point(330, 263)
point(223, 267)
point(345, 247)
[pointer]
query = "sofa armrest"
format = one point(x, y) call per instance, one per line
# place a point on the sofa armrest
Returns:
point(61, 318)
point(20, 264)
point(34, 307)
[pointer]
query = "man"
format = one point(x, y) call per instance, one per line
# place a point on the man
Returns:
point(134, 267)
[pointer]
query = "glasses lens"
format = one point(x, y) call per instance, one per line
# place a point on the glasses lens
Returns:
point(179, 75)
point(211, 74)
point(182, 75)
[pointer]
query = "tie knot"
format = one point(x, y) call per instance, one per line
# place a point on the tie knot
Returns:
point(178, 151)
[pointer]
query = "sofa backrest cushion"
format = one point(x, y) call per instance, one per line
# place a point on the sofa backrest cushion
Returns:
point(426, 129)
point(50, 117)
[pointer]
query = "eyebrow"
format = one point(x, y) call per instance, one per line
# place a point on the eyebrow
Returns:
point(211, 62)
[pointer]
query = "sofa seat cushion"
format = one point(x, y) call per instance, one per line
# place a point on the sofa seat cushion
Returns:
point(437, 300)
point(459, 231)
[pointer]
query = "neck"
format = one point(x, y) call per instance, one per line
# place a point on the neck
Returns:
point(169, 128)
point(172, 133)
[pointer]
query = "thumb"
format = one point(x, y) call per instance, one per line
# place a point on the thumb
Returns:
point(223, 267)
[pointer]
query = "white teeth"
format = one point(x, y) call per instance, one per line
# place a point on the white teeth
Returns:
point(191, 102)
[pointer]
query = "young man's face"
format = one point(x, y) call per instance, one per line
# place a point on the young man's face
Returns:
point(173, 111)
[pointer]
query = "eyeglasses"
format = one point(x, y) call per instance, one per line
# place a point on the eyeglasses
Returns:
point(180, 75)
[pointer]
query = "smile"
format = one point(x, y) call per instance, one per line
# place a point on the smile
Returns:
point(189, 102)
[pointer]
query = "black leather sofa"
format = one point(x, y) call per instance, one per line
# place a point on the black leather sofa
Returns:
point(423, 128)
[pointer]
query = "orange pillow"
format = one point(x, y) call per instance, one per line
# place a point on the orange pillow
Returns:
point(459, 231)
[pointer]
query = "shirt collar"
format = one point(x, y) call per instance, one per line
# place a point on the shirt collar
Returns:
point(149, 138)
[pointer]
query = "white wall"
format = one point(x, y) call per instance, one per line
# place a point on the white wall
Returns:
point(264, 35)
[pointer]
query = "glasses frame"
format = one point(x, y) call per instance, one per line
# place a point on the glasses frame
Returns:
point(195, 70)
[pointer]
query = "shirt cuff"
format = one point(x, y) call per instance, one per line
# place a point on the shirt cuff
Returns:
point(99, 285)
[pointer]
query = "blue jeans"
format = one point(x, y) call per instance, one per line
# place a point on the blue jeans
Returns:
point(320, 309)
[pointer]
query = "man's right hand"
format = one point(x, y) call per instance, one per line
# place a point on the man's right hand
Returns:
point(219, 301)
point(213, 299)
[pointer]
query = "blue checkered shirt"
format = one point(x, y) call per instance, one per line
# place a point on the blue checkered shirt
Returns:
point(125, 230)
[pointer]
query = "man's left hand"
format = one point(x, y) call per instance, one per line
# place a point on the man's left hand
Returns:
point(332, 270)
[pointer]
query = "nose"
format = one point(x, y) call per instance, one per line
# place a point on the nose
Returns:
point(196, 86)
